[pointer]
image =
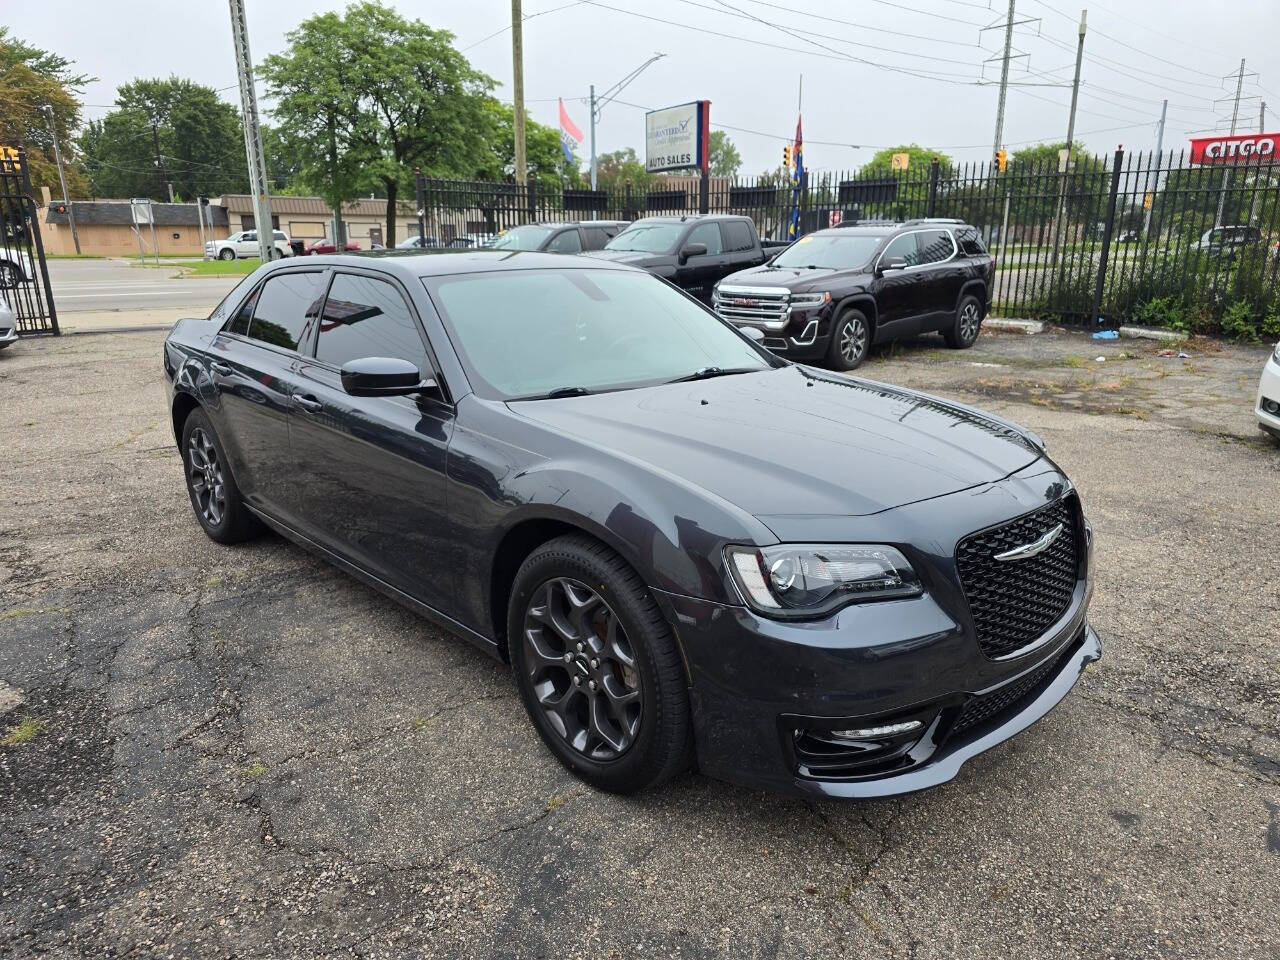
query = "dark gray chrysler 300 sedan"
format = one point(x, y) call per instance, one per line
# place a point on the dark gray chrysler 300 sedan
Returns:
point(691, 552)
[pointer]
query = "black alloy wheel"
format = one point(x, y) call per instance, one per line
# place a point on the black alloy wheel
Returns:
point(968, 322)
point(215, 498)
point(10, 276)
point(849, 341)
point(597, 666)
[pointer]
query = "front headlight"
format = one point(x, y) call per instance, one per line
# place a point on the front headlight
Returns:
point(1275, 354)
point(807, 300)
point(806, 580)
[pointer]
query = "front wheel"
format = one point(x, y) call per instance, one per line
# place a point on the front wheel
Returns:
point(226, 253)
point(10, 275)
point(597, 667)
point(850, 341)
point(964, 332)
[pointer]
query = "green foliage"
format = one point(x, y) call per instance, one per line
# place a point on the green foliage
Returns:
point(544, 160)
point(921, 158)
point(614, 170)
point(1238, 322)
point(365, 96)
point(201, 142)
point(1271, 324)
point(723, 156)
point(1165, 312)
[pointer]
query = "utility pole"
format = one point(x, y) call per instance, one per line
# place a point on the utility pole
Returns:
point(160, 175)
point(1164, 110)
point(252, 133)
point(57, 158)
point(1235, 116)
point(592, 106)
point(517, 86)
point(1262, 117)
point(1064, 165)
point(1004, 78)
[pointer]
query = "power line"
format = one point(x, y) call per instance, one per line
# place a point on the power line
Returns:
point(864, 26)
point(526, 17)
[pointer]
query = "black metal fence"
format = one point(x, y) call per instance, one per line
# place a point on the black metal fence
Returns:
point(1126, 237)
point(24, 275)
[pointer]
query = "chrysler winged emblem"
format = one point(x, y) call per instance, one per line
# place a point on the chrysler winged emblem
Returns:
point(1032, 548)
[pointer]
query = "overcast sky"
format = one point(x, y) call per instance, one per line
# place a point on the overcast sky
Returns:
point(746, 57)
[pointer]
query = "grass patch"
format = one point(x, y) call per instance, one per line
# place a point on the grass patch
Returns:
point(218, 268)
point(255, 769)
point(24, 731)
point(17, 612)
point(559, 800)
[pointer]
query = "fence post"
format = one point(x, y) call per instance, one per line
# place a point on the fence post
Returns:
point(1107, 227)
point(933, 188)
point(34, 227)
point(531, 197)
point(626, 199)
point(704, 192)
point(420, 192)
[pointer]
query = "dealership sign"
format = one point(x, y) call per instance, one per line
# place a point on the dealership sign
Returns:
point(677, 138)
point(1243, 148)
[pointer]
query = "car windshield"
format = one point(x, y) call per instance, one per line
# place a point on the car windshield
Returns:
point(837, 251)
point(527, 333)
point(522, 238)
point(647, 238)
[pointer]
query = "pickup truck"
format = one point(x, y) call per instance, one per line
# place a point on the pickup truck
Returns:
point(693, 252)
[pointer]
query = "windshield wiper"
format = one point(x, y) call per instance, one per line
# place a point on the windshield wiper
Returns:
point(706, 373)
point(560, 392)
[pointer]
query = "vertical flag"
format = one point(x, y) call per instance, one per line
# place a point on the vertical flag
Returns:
point(797, 180)
point(570, 135)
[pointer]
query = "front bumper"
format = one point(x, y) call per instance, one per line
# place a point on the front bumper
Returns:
point(8, 336)
point(1268, 395)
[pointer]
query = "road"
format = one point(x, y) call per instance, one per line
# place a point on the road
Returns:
point(244, 752)
point(107, 286)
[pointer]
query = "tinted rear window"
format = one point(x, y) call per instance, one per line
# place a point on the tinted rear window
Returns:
point(286, 305)
point(971, 242)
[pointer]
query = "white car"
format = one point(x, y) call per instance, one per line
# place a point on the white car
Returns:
point(245, 244)
point(16, 266)
point(8, 325)
point(1268, 406)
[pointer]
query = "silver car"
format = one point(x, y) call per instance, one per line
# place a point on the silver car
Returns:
point(8, 325)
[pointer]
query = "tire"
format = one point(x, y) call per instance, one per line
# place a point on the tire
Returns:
point(850, 340)
point(10, 275)
point(631, 730)
point(964, 331)
point(207, 473)
point(226, 253)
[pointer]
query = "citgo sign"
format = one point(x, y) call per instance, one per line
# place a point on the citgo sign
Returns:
point(1242, 148)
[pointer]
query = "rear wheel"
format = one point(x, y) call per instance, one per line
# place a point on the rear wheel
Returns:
point(226, 253)
point(597, 666)
point(10, 275)
point(968, 322)
point(215, 498)
point(850, 340)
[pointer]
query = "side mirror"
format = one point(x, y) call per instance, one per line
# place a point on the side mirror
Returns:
point(383, 377)
point(891, 263)
point(692, 250)
point(754, 334)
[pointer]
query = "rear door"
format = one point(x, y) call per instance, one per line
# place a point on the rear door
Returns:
point(254, 365)
point(373, 468)
point(941, 275)
point(566, 241)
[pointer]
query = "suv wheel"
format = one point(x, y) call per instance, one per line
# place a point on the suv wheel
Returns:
point(597, 666)
point(850, 340)
point(964, 331)
point(226, 253)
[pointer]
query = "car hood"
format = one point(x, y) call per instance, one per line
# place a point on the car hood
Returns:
point(795, 441)
point(792, 278)
point(633, 258)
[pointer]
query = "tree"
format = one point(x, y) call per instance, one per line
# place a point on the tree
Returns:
point(920, 158)
point(544, 160)
point(365, 96)
point(1036, 203)
point(201, 142)
point(723, 156)
point(33, 83)
point(614, 170)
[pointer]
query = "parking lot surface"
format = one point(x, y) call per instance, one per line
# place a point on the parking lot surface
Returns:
point(243, 752)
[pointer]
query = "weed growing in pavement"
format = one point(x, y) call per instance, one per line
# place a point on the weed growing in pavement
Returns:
point(24, 731)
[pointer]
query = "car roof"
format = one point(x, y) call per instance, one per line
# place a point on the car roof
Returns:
point(569, 223)
point(689, 217)
point(411, 263)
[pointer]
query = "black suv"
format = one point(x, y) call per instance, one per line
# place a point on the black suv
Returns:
point(572, 237)
point(833, 293)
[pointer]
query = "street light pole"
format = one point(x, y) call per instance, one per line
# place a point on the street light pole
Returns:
point(517, 88)
point(597, 104)
point(252, 134)
point(57, 158)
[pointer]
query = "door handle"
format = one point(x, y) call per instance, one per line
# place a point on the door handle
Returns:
point(307, 403)
point(217, 366)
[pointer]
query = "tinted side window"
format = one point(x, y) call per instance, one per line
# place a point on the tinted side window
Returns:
point(708, 233)
point(367, 317)
point(737, 236)
point(904, 247)
point(597, 237)
point(286, 305)
point(240, 322)
point(566, 241)
point(223, 311)
point(971, 242)
point(935, 246)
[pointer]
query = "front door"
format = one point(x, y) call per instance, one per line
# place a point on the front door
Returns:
point(897, 291)
point(372, 469)
point(699, 274)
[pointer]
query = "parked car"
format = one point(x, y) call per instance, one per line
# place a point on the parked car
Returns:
point(693, 252)
point(1268, 405)
point(1227, 240)
point(16, 266)
point(833, 293)
point(245, 244)
point(559, 237)
point(8, 325)
point(318, 247)
point(469, 240)
point(413, 243)
point(686, 547)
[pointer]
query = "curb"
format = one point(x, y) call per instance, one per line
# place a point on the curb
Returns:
point(1152, 333)
point(91, 331)
point(1014, 326)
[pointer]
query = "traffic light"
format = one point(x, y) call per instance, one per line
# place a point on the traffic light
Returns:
point(786, 156)
point(60, 208)
point(1002, 160)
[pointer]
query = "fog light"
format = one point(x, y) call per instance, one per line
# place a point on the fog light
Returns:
point(1271, 407)
point(874, 733)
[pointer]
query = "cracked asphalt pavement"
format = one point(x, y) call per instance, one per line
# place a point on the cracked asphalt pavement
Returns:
point(210, 751)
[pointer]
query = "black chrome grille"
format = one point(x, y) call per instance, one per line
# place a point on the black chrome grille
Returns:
point(1014, 602)
point(1004, 698)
